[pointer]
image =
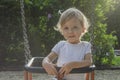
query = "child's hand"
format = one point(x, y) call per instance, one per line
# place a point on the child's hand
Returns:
point(60, 76)
point(65, 69)
point(50, 68)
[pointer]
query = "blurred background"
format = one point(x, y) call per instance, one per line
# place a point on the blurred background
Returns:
point(39, 19)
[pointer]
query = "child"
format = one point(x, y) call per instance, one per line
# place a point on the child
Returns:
point(72, 52)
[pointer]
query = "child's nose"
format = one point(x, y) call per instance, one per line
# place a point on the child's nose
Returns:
point(70, 31)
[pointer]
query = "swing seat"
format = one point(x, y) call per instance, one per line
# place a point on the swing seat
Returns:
point(34, 66)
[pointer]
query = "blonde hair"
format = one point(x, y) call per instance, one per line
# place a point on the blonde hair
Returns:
point(70, 13)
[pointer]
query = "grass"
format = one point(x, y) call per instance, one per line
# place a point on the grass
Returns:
point(116, 61)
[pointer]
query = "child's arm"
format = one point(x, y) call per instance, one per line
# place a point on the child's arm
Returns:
point(48, 65)
point(69, 66)
point(86, 62)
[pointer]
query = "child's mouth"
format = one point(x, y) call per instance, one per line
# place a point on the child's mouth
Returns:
point(71, 36)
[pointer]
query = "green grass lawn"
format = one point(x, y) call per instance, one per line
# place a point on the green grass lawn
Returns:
point(116, 61)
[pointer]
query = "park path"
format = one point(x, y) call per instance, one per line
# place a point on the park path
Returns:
point(99, 75)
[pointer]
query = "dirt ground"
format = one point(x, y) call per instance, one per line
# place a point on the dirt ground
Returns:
point(99, 75)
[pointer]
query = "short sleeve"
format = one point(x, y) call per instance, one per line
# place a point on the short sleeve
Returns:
point(88, 48)
point(57, 47)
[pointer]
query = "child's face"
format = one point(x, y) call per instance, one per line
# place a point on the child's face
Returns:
point(72, 30)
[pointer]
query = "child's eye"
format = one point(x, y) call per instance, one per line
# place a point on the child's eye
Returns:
point(75, 27)
point(65, 28)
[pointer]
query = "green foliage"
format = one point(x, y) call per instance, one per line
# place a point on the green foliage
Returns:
point(103, 43)
point(116, 61)
point(113, 22)
point(11, 48)
point(41, 17)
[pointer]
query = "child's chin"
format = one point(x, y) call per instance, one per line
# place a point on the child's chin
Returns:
point(73, 42)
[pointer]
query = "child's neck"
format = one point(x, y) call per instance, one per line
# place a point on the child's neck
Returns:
point(74, 42)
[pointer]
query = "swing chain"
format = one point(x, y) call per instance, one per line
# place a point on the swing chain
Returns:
point(92, 22)
point(25, 37)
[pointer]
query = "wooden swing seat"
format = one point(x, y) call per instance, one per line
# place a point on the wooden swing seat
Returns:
point(34, 66)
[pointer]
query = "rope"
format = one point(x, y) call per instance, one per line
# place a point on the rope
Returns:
point(25, 37)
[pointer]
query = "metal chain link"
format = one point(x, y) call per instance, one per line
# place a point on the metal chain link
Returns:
point(92, 22)
point(25, 37)
point(92, 36)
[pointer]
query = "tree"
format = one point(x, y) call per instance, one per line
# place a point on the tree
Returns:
point(103, 42)
point(11, 46)
point(113, 22)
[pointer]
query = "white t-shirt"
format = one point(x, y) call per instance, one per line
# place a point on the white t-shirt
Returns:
point(68, 52)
